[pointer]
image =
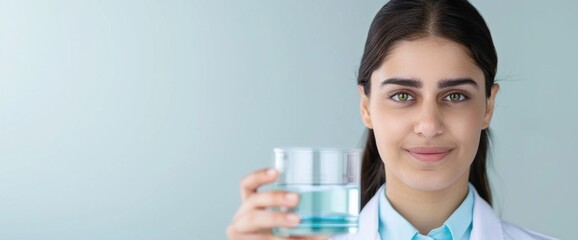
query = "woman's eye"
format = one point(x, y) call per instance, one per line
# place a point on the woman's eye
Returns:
point(455, 97)
point(401, 97)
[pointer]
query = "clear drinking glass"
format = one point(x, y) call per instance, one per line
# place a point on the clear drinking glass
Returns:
point(327, 181)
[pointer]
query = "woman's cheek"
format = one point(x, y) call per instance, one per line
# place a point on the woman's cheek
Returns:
point(467, 131)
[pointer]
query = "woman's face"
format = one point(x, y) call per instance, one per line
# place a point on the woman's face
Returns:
point(427, 108)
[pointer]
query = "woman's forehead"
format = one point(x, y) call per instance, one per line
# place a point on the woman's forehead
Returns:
point(429, 59)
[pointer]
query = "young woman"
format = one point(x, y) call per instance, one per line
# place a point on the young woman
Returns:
point(426, 82)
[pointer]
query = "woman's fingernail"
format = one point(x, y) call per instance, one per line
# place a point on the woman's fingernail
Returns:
point(292, 218)
point(271, 172)
point(290, 197)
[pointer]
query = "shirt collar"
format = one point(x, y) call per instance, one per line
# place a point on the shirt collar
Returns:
point(458, 223)
point(461, 218)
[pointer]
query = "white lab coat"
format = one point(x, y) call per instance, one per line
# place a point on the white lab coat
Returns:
point(486, 224)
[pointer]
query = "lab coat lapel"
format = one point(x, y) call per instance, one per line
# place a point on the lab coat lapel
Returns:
point(486, 224)
point(368, 221)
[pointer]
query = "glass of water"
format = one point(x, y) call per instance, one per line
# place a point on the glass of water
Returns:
point(327, 181)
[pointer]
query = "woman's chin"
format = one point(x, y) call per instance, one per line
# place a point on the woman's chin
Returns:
point(429, 187)
point(428, 183)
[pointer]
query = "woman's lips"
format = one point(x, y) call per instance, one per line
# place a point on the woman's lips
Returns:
point(429, 154)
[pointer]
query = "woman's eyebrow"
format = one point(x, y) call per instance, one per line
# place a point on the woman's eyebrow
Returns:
point(402, 82)
point(415, 83)
point(446, 83)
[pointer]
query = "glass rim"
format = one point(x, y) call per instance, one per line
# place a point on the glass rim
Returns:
point(317, 149)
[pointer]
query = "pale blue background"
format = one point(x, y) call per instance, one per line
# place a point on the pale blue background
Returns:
point(137, 119)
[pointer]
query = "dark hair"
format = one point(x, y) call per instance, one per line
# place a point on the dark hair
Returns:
point(456, 20)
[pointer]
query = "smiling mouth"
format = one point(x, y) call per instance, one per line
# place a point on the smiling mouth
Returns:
point(429, 154)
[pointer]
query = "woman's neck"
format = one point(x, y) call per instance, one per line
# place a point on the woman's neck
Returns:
point(426, 210)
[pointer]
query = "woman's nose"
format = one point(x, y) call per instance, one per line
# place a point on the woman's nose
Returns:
point(429, 121)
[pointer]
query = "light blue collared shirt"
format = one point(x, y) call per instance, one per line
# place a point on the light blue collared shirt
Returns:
point(393, 226)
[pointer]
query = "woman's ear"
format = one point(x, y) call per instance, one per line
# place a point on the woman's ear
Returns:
point(490, 106)
point(364, 105)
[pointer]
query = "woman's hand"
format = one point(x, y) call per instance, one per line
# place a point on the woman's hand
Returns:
point(253, 220)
